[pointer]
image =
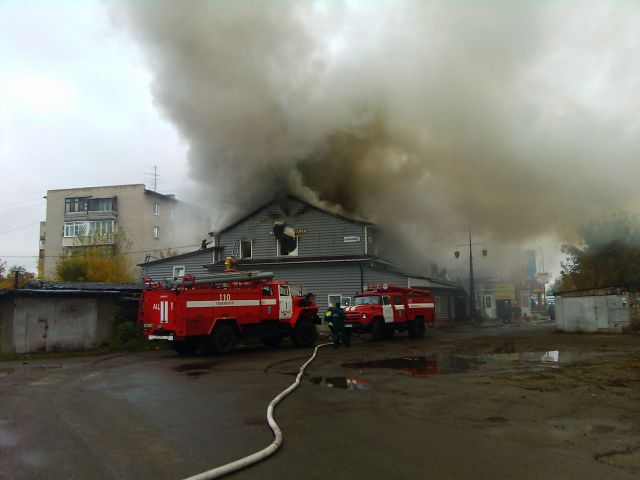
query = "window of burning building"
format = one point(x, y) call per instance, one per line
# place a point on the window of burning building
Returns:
point(245, 249)
point(371, 244)
point(288, 248)
point(286, 239)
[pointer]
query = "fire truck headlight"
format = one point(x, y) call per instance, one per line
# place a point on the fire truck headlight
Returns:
point(364, 315)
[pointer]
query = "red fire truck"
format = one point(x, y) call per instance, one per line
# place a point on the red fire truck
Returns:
point(383, 310)
point(212, 312)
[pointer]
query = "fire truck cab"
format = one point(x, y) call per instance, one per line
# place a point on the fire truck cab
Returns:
point(382, 310)
point(212, 312)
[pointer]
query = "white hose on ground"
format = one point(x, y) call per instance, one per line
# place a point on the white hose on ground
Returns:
point(277, 433)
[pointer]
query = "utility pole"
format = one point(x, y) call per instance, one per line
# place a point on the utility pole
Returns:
point(472, 287)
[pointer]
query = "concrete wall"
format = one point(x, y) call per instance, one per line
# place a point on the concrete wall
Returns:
point(605, 313)
point(6, 324)
point(36, 324)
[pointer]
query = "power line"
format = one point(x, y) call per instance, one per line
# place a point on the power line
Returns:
point(18, 228)
point(99, 254)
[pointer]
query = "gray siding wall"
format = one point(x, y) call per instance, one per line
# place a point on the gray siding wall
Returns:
point(322, 279)
point(380, 277)
point(324, 233)
point(193, 265)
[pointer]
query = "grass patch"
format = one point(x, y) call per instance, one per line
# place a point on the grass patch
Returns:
point(127, 337)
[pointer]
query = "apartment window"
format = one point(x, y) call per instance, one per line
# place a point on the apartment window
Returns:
point(101, 204)
point(76, 204)
point(101, 227)
point(288, 248)
point(245, 249)
point(156, 209)
point(178, 272)
point(96, 227)
point(156, 232)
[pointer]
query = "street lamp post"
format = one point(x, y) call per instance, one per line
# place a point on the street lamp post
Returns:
point(472, 289)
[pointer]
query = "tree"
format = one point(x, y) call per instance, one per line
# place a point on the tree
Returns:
point(608, 255)
point(7, 276)
point(97, 258)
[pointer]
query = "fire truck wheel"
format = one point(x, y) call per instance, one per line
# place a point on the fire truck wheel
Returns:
point(186, 347)
point(271, 340)
point(377, 329)
point(305, 333)
point(417, 328)
point(224, 339)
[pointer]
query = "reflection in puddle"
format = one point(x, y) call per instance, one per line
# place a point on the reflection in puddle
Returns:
point(426, 365)
point(419, 366)
point(347, 383)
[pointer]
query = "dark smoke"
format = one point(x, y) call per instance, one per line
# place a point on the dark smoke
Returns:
point(518, 120)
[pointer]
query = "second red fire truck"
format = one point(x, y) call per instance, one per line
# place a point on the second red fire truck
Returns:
point(383, 310)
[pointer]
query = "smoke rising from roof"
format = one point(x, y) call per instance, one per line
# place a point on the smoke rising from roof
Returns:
point(516, 119)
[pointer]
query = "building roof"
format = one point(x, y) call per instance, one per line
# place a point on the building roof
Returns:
point(169, 196)
point(389, 266)
point(38, 288)
point(300, 260)
point(181, 256)
point(291, 197)
point(86, 286)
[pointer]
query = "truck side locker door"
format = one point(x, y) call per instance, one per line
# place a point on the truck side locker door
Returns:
point(285, 301)
point(387, 309)
point(399, 309)
point(269, 303)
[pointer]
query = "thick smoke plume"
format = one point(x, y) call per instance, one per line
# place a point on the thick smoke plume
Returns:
point(518, 120)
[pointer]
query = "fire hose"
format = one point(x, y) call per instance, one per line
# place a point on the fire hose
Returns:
point(266, 452)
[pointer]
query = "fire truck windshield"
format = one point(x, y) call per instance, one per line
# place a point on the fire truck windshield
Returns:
point(370, 299)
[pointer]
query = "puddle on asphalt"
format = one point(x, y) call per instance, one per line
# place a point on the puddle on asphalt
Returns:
point(345, 383)
point(427, 365)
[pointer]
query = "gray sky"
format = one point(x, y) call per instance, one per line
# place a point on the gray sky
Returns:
point(517, 119)
point(75, 110)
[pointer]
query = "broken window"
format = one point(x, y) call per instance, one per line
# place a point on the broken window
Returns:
point(245, 249)
point(286, 238)
point(288, 248)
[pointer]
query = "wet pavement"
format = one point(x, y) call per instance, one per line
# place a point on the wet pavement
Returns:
point(476, 403)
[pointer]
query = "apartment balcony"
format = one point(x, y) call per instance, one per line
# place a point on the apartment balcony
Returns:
point(91, 215)
point(96, 240)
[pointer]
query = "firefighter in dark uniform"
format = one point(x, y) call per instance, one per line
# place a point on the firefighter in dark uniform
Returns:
point(340, 333)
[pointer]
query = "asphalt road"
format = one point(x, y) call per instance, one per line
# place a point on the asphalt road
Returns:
point(154, 415)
